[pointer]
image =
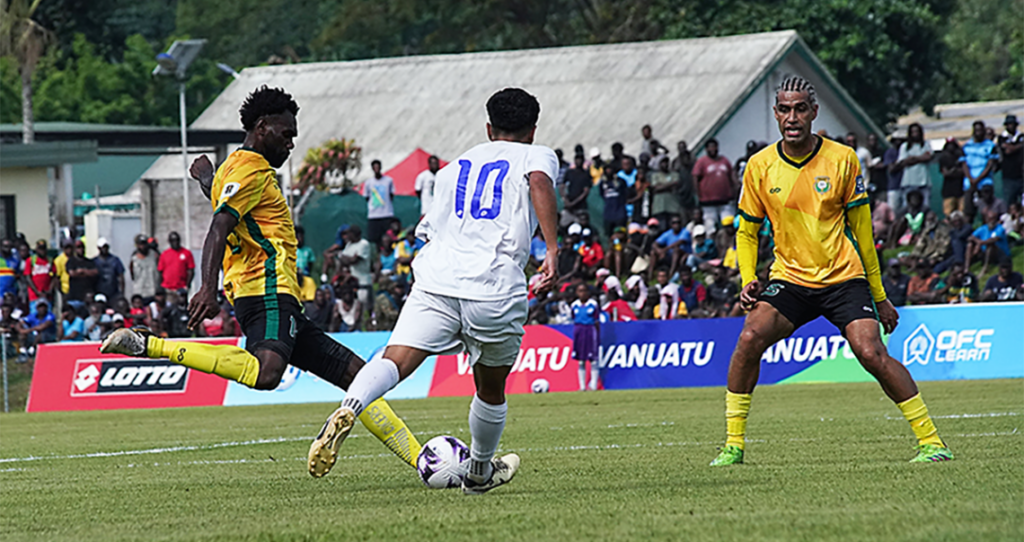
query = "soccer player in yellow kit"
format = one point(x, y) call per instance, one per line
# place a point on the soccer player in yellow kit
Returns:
point(253, 236)
point(813, 192)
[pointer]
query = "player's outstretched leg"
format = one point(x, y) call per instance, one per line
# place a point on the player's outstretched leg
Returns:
point(866, 342)
point(762, 328)
point(227, 361)
point(486, 423)
point(371, 382)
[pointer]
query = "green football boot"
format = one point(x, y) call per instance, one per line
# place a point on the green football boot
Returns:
point(730, 455)
point(929, 453)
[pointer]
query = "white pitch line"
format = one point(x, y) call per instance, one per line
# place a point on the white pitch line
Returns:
point(964, 416)
point(154, 450)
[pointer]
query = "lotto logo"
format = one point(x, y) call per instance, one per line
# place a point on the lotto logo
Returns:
point(95, 377)
point(949, 345)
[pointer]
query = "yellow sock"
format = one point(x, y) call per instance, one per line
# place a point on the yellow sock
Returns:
point(737, 406)
point(917, 414)
point(230, 362)
point(391, 430)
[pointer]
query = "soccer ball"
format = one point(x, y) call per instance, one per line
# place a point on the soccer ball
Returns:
point(540, 386)
point(442, 462)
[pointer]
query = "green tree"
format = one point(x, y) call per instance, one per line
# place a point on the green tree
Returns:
point(24, 40)
point(986, 51)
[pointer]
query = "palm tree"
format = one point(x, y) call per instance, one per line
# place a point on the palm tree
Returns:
point(25, 41)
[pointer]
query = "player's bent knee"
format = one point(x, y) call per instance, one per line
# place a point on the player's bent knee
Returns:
point(272, 368)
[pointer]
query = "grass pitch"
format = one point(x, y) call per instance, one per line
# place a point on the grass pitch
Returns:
point(825, 462)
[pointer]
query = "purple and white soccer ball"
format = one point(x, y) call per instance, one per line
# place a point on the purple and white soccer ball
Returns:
point(540, 386)
point(442, 462)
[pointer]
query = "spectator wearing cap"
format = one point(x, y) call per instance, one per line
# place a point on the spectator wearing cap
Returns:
point(895, 283)
point(110, 280)
point(716, 185)
point(914, 155)
point(569, 259)
point(671, 246)
point(979, 159)
point(40, 274)
point(331, 254)
point(614, 193)
point(595, 166)
point(591, 252)
point(664, 189)
point(143, 268)
point(176, 266)
point(37, 328)
point(1011, 150)
point(576, 187)
point(9, 264)
point(1006, 285)
point(379, 191)
point(704, 248)
point(98, 321)
point(83, 275)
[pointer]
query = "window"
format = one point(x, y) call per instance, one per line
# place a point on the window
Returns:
point(7, 224)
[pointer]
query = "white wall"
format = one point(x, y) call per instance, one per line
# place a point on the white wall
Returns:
point(29, 186)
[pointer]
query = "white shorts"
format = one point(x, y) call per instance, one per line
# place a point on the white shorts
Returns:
point(489, 331)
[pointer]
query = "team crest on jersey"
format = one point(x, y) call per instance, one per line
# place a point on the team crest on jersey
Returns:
point(861, 186)
point(822, 184)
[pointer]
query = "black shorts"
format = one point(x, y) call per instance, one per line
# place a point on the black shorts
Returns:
point(840, 303)
point(277, 323)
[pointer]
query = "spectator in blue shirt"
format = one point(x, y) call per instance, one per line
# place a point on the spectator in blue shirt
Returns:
point(670, 246)
point(110, 281)
point(37, 328)
point(989, 240)
point(979, 159)
point(72, 328)
point(586, 335)
point(614, 192)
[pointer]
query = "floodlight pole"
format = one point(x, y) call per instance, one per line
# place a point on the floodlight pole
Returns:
point(184, 164)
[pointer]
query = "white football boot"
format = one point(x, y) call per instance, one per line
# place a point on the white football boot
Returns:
point(503, 470)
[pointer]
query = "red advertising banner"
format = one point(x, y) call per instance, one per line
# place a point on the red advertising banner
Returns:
point(75, 376)
point(545, 353)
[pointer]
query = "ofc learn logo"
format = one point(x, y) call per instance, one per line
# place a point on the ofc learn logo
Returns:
point(949, 345)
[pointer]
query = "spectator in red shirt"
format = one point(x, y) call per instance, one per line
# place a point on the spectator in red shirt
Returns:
point(716, 185)
point(40, 272)
point(176, 265)
point(592, 253)
point(617, 308)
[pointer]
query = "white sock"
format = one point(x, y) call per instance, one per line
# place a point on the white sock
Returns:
point(594, 372)
point(371, 383)
point(486, 422)
point(583, 376)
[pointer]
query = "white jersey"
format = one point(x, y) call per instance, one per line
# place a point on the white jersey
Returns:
point(480, 224)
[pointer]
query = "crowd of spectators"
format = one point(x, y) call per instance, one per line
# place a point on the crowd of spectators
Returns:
point(663, 246)
point(69, 297)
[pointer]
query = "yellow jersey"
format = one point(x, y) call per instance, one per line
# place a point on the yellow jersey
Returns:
point(807, 203)
point(259, 259)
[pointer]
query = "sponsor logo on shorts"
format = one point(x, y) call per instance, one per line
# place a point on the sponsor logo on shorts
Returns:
point(948, 345)
point(773, 289)
point(822, 184)
point(105, 377)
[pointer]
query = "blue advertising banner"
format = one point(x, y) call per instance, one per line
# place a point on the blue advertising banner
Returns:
point(302, 387)
point(943, 342)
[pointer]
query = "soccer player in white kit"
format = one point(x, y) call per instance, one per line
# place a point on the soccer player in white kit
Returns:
point(470, 290)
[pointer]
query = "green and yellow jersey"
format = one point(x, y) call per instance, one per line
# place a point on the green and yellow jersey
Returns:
point(259, 259)
point(810, 201)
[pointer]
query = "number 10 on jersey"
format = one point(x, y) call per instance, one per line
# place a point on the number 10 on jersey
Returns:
point(499, 169)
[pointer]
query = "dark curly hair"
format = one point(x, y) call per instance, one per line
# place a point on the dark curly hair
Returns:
point(513, 110)
point(266, 101)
